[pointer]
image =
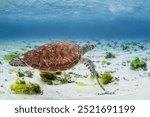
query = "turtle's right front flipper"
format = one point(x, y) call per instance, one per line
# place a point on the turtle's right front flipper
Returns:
point(17, 62)
point(91, 67)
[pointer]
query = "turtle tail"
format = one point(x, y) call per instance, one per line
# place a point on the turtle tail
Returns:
point(17, 62)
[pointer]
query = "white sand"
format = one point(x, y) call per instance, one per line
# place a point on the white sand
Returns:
point(131, 84)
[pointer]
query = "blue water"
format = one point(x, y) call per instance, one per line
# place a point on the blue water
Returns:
point(27, 24)
point(74, 19)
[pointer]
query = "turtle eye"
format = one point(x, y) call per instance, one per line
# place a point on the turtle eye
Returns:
point(93, 46)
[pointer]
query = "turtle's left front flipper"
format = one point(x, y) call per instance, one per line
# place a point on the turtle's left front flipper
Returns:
point(89, 64)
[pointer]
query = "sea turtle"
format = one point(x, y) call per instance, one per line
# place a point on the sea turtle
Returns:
point(57, 57)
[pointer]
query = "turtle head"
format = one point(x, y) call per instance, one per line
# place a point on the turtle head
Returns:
point(87, 47)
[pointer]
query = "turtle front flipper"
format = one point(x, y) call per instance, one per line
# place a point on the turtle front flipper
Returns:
point(17, 62)
point(89, 64)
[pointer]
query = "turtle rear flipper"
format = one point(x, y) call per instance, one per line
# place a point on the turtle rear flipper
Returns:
point(17, 62)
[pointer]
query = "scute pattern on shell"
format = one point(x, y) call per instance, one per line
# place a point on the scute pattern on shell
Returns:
point(54, 56)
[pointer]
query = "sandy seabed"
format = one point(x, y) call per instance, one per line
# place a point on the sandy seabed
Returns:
point(126, 83)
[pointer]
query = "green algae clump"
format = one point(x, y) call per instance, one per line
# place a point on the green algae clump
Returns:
point(55, 78)
point(21, 87)
point(48, 77)
point(125, 47)
point(137, 63)
point(105, 63)
point(11, 56)
point(106, 78)
point(20, 73)
point(67, 75)
point(66, 78)
point(109, 55)
point(28, 74)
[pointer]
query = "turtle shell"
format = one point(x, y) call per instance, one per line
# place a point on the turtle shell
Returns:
point(54, 56)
